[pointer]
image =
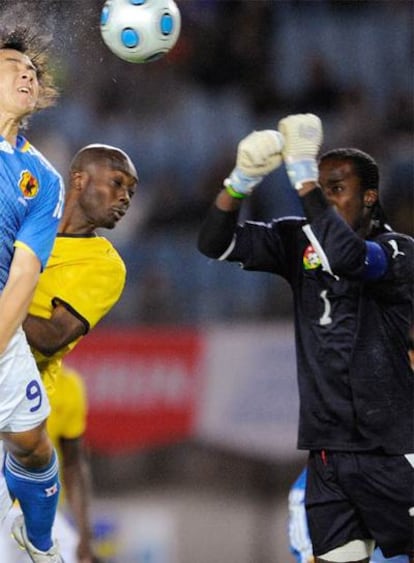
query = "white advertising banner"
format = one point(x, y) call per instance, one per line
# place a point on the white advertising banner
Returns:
point(230, 386)
point(250, 399)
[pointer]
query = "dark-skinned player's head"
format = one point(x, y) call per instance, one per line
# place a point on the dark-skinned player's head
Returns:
point(114, 157)
point(366, 169)
point(103, 180)
point(364, 165)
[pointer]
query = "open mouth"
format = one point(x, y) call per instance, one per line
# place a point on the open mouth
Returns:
point(119, 213)
point(24, 90)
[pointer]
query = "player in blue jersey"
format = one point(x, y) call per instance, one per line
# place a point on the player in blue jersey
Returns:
point(352, 279)
point(83, 279)
point(30, 208)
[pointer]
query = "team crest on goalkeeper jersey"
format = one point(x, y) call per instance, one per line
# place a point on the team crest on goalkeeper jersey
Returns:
point(311, 260)
point(28, 184)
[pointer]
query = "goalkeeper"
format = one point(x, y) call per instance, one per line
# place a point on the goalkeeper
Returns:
point(352, 280)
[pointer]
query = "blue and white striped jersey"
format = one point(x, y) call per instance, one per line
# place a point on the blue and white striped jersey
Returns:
point(31, 203)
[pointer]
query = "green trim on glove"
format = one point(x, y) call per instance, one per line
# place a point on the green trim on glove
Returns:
point(240, 183)
point(233, 193)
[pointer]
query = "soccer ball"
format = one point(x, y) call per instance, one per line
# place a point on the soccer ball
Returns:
point(140, 31)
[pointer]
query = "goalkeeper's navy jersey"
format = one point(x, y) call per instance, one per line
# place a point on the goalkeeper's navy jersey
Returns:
point(355, 382)
point(30, 204)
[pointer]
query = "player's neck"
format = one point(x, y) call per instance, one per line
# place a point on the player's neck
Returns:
point(74, 221)
point(71, 228)
point(9, 129)
point(69, 225)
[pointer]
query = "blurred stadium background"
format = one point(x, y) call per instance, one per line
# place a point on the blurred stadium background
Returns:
point(191, 378)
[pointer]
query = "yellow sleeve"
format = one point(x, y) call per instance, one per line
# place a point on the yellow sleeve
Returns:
point(93, 289)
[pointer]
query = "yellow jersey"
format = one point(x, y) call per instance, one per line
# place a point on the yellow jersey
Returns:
point(68, 413)
point(69, 406)
point(87, 275)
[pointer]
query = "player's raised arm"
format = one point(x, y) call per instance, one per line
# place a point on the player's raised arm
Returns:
point(258, 155)
point(303, 139)
point(337, 228)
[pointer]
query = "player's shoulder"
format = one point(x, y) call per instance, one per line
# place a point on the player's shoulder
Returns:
point(292, 222)
point(43, 162)
point(399, 248)
point(388, 234)
point(94, 257)
point(109, 251)
point(106, 264)
point(397, 244)
point(288, 223)
point(95, 248)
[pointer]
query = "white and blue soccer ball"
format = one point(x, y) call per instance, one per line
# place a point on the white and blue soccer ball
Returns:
point(140, 31)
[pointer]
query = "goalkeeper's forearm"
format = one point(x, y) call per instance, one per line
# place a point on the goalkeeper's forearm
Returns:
point(217, 231)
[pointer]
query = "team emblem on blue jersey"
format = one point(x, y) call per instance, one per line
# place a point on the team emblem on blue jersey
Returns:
point(311, 260)
point(28, 184)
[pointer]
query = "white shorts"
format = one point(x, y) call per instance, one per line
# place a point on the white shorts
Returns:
point(23, 399)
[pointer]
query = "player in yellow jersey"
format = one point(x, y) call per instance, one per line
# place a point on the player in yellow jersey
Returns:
point(66, 427)
point(83, 279)
point(85, 275)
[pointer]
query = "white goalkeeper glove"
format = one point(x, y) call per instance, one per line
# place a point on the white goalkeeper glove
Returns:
point(303, 138)
point(258, 154)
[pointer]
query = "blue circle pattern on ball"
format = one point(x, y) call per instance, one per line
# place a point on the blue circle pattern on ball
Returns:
point(104, 15)
point(129, 38)
point(137, 2)
point(166, 24)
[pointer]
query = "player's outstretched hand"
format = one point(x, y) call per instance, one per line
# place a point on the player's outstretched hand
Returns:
point(258, 154)
point(303, 138)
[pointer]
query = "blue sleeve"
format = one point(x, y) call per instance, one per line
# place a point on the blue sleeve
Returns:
point(342, 251)
point(377, 557)
point(376, 261)
point(299, 541)
point(39, 228)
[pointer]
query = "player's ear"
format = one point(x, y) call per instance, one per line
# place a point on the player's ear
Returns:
point(78, 179)
point(370, 197)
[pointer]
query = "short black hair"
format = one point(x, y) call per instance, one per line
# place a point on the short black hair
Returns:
point(364, 164)
point(113, 156)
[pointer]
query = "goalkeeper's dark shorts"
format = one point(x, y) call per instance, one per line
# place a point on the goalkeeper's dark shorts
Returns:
point(363, 496)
